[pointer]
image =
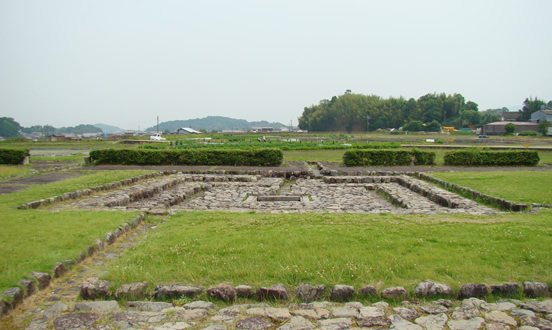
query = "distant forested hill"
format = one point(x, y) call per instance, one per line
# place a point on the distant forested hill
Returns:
point(108, 128)
point(211, 123)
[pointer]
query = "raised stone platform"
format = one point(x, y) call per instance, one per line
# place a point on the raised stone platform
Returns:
point(398, 194)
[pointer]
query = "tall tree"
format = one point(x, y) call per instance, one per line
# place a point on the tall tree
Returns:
point(530, 105)
point(9, 127)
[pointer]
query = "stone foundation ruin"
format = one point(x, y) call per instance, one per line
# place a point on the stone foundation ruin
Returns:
point(397, 194)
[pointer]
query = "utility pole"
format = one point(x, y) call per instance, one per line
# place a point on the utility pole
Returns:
point(367, 123)
point(291, 125)
point(157, 124)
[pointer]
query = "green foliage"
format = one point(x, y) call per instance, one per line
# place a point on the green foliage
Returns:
point(530, 105)
point(13, 156)
point(414, 126)
point(240, 143)
point(528, 133)
point(543, 127)
point(9, 127)
point(434, 126)
point(510, 128)
point(388, 157)
point(477, 157)
point(234, 157)
point(349, 112)
point(211, 123)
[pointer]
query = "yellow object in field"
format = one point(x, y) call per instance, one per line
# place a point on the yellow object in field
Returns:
point(447, 129)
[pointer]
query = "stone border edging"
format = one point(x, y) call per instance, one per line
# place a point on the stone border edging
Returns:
point(42, 280)
point(93, 288)
point(474, 194)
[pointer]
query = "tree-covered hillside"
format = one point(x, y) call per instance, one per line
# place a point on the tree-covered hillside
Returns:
point(349, 112)
point(212, 123)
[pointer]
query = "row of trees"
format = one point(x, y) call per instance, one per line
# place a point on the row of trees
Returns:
point(357, 112)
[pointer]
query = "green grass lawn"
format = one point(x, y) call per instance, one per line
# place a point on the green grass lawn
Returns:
point(206, 248)
point(33, 240)
point(519, 186)
point(9, 171)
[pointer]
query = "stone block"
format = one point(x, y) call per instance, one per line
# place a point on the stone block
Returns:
point(308, 293)
point(342, 293)
point(42, 278)
point(535, 289)
point(276, 291)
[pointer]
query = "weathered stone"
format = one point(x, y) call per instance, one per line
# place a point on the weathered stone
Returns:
point(147, 306)
point(438, 309)
point(110, 238)
point(471, 324)
point(226, 315)
point(398, 322)
point(254, 323)
point(535, 289)
point(461, 313)
point(4, 307)
point(132, 291)
point(200, 305)
point(276, 291)
point(344, 312)
point(395, 293)
point(42, 278)
point(534, 321)
point(58, 270)
point(342, 293)
point(182, 314)
point(297, 323)
point(497, 326)
point(476, 303)
point(500, 317)
point(308, 293)
point(97, 306)
point(521, 312)
point(370, 312)
point(505, 290)
point(222, 292)
point(55, 310)
point(381, 305)
point(29, 287)
point(406, 313)
point(502, 306)
point(93, 288)
point(172, 326)
point(368, 290)
point(335, 324)
point(39, 324)
point(99, 244)
point(15, 296)
point(270, 312)
point(76, 320)
point(432, 322)
point(376, 321)
point(215, 326)
point(90, 250)
point(126, 320)
point(429, 288)
point(313, 314)
point(538, 306)
point(444, 302)
point(473, 290)
point(175, 291)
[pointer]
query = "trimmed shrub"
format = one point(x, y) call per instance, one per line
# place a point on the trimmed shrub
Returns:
point(13, 156)
point(477, 157)
point(528, 133)
point(253, 157)
point(388, 157)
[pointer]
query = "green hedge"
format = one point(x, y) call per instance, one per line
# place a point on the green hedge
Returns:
point(13, 156)
point(477, 157)
point(258, 157)
point(388, 157)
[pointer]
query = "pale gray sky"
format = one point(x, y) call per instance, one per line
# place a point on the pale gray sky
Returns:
point(124, 62)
